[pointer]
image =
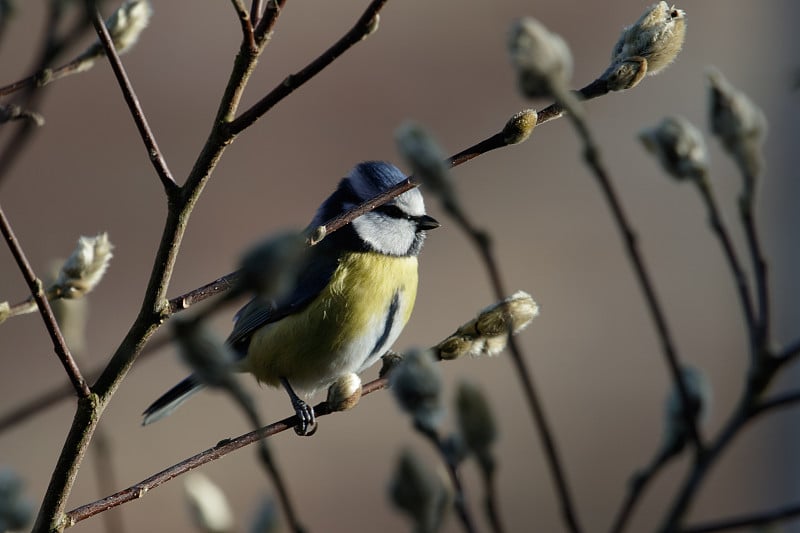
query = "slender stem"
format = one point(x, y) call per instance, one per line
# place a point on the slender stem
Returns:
point(483, 243)
point(255, 10)
point(718, 226)
point(158, 161)
point(592, 158)
point(246, 21)
point(221, 449)
point(746, 203)
point(35, 286)
point(491, 502)
point(460, 503)
point(106, 477)
point(294, 81)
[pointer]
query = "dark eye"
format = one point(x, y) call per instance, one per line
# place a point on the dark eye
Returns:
point(394, 212)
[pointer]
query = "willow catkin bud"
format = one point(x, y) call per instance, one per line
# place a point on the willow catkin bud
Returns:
point(266, 518)
point(417, 385)
point(487, 334)
point(699, 395)
point(270, 268)
point(209, 357)
point(520, 126)
point(128, 22)
point(345, 392)
point(208, 506)
point(475, 422)
point(84, 269)
point(626, 74)
point(419, 492)
point(511, 315)
point(657, 36)
point(541, 58)
point(679, 147)
point(738, 123)
point(426, 158)
point(16, 511)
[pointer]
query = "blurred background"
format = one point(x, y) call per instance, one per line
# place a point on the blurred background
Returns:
point(593, 352)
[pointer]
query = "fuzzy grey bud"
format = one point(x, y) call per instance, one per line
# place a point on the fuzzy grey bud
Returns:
point(208, 505)
point(487, 334)
point(210, 358)
point(84, 269)
point(266, 518)
point(626, 74)
point(541, 58)
point(270, 268)
point(520, 126)
point(738, 122)
point(16, 511)
point(417, 386)
point(679, 147)
point(426, 158)
point(419, 492)
point(345, 392)
point(675, 431)
point(476, 423)
point(657, 36)
point(128, 22)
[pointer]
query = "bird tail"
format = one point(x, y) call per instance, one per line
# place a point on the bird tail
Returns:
point(170, 400)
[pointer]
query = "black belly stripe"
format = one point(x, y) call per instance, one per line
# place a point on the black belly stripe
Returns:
point(394, 307)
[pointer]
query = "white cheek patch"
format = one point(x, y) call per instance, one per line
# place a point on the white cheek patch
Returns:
point(386, 235)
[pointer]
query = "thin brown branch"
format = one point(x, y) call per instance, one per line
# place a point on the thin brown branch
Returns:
point(220, 450)
point(292, 82)
point(483, 243)
point(718, 226)
point(746, 207)
point(156, 158)
point(35, 286)
point(256, 8)
point(592, 158)
point(266, 21)
point(460, 499)
point(246, 20)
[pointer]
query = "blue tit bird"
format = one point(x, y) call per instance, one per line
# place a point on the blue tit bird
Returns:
point(353, 294)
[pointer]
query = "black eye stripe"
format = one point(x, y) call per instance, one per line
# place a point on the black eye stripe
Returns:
point(394, 212)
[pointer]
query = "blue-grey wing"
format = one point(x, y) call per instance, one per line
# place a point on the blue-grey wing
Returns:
point(315, 273)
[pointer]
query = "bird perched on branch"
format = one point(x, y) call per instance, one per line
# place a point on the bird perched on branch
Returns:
point(353, 294)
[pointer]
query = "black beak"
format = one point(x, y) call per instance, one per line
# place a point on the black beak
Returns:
point(426, 222)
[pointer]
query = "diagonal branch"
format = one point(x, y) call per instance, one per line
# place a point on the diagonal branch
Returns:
point(156, 158)
point(35, 286)
point(221, 449)
point(592, 158)
point(361, 29)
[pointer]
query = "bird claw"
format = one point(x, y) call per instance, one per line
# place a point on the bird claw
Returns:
point(306, 420)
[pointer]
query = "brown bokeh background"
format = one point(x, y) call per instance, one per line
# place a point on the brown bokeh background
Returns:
point(593, 352)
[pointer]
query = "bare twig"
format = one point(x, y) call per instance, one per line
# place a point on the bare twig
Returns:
point(460, 503)
point(718, 226)
point(746, 206)
point(221, 449)
point(246, 20)
point(294, 81)
point(158, 161)
point(35, 285)
point(591, 155)
point(483, 244)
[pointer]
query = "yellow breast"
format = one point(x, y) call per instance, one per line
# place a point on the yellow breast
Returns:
point(337, 331)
